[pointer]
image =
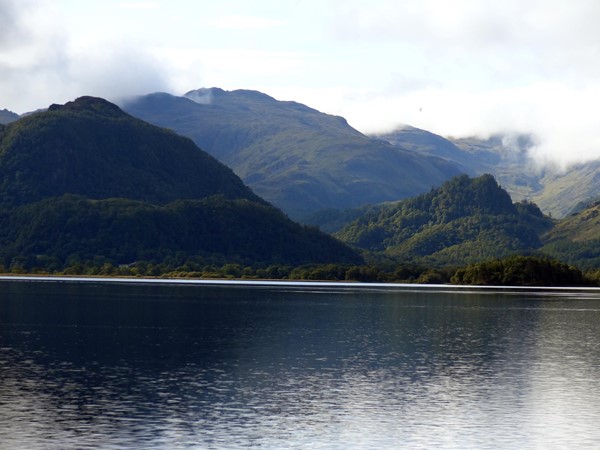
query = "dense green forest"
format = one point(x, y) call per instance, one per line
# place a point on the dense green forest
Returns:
point(87, 185)
point(90, 147)
point(521, 271)
point(465, 220)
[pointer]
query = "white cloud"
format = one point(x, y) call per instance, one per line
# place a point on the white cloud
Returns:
point(244, 22)
point(454, 67)
point(140, 5)
point(47, 65)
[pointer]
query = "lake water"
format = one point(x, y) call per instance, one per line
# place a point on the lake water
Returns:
point(94, 365)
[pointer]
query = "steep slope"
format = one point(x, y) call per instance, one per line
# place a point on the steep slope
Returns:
point(576, 238)
point(563, 190)
point(86, 180)
point(298, 158)
point(464, 221)
point(508, 158)
point(427, 143)
point(505, 157)
point(7, 116)
point(92, 148)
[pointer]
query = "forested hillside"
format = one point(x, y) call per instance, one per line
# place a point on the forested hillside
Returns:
point(86, 181)
point(464, 221)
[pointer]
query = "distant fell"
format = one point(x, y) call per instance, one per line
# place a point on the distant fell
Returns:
point(576, 238)
point(7, 116)
point(509, 157)
point(294, 156)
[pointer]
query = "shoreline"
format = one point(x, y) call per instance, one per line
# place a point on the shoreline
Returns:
point(290, 283)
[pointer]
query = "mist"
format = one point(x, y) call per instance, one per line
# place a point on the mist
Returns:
point(457, 69)
point(41, 64)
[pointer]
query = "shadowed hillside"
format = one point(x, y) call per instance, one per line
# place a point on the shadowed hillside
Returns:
point(87, 181)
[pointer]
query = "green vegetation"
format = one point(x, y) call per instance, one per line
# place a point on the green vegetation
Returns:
point(90, 147)
point(509, 159)
point(87, 189)
point(520, 271)
point(297, 158)
point(86, 185)
point(576, 238)
point(511, 271)
point(465, 220)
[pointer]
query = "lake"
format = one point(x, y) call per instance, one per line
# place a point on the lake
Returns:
point(117, 365)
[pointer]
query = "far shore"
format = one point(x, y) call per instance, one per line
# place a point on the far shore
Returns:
point(284, 283)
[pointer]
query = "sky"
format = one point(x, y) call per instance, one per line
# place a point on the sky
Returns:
point(453, 67)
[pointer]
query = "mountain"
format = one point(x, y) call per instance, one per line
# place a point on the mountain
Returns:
point(506, 157)
point(294, 156)
point(464, 221)
point(576, 238)
point(509, 159)
point(90, 147)
point(85, 181)
point(564, 189)
point(427, 143)
point(7, 116)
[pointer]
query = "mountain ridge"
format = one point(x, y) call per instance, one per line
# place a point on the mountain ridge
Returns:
point(292, 155)
point(86, 181)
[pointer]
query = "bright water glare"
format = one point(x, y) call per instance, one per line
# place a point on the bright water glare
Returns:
point(114, 366)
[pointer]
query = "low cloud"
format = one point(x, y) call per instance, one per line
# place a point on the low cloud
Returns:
point(479, 68)
point(563, 120)
point(457, 68)
point(40, 63)
point(244, 22)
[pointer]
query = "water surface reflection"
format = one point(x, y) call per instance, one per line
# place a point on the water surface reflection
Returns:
point(123, 366)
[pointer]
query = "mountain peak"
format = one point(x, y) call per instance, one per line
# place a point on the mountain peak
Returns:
point(7, 116)
point(205, 96)
point(92, 104)
point(91, 147)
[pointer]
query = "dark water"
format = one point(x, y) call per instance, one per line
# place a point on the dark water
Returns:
point(109, 366)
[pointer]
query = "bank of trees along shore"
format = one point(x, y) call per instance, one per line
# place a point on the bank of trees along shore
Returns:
point(512, 271)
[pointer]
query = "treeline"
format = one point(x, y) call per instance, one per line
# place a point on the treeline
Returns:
point(521, 271)
point(511, 271)
point(178, 266)
point(59, 232)
point(462, 222)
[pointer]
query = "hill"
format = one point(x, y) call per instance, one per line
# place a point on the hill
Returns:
point(86, 180)
point(464, 221)
point(576, 238)
point(7, 116)
point(297, 158)
point(508, 158)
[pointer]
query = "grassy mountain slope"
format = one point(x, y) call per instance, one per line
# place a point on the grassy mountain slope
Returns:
point(563, 190)
point(294, 156)
point(505, 157)
point(87, 180)
point(576, 238)
point(508, 159)
point(466, 220)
